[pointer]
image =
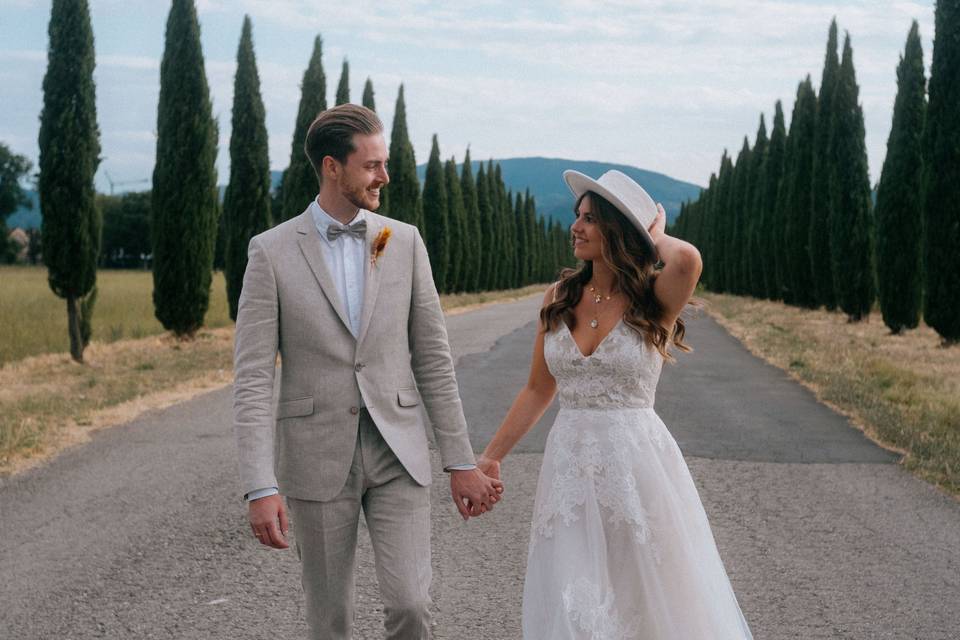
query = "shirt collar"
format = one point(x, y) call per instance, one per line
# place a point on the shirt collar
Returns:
point(322, 219)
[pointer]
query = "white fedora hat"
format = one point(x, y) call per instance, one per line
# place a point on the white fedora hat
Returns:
point(622, 192)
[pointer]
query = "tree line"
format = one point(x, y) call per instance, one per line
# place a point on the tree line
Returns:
point(793, 217)
point(479, 234)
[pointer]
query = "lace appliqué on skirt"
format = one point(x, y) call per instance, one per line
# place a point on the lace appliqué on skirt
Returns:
point(594, 613)
point(586, 463)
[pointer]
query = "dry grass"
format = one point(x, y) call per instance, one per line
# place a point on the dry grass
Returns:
point(49, 402)
point(904, 391)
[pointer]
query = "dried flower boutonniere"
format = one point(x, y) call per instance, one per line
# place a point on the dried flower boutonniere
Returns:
point(379, 244)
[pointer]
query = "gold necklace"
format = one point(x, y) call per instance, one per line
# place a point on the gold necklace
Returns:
point(597, 299)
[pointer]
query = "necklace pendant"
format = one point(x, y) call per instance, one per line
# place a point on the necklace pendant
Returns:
point(594, 324)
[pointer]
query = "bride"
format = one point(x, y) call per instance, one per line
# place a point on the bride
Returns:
point(620, 546)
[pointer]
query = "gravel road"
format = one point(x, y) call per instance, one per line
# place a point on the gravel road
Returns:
point(141, 534)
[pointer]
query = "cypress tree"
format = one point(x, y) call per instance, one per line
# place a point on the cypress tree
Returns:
point(69, 143)
point(488, 243)
point(796, 213)
point(900, 195)
point(436, 220)
point(773, 168)
point(736, 240)
point(820, 260)
point(530, 223)
point(941, 211)
point(368, 95)
point(719, 226)
point(246, 203)
point(299, 185)
point(403, 192)
point(184, 205)
point(508, 232)
point(343, 88)
point(519, 219)
point(752, 258)
point(474, 227)
point(851, 220)
point(457, 217)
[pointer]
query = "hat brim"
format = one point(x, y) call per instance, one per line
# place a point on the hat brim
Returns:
point(579, 184)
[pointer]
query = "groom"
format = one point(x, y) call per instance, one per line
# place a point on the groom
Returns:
point(347, 299)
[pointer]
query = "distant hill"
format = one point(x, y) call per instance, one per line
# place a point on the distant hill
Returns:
point(544, 178)
point(541, 175)
point(24, 217)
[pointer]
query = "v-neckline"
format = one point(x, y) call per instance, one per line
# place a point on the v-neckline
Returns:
point(599, 344)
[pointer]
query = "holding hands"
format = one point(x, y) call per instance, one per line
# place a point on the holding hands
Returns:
point(474, 491)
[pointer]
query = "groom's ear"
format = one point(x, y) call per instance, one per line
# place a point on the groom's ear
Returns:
point(331, 168)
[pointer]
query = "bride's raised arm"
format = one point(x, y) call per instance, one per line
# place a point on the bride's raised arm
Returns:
point(681, 271)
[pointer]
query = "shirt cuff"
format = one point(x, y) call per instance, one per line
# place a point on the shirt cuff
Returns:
point(261, 493)
point(461, 467)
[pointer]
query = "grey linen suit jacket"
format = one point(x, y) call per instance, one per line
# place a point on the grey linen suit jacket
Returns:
point(289, 305)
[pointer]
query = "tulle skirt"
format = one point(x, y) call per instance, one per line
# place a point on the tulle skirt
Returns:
point(620, 545)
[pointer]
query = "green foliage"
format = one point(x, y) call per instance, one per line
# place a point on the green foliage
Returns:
point(851, 218)
point(820, 261)
point(368, 96)
point(13, 168)
point(796, 205)
point(343, 88)
point(736, 237)
point(460, 245)
point(773, 167)
point(752, 264)
point(941, 212)
point(299, 184)
point(69, 143)
point(400, 199)
point(474, 228)
point(246, 203)
point(184, 206)
point(900, 196)
point(436, 222)
point(126, 230)
point(489, 238)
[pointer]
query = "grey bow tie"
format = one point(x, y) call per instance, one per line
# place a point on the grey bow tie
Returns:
point(357, 230)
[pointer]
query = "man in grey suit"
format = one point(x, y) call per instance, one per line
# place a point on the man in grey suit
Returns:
point(346, 297)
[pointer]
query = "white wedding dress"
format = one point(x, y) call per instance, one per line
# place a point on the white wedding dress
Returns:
point(620, 546)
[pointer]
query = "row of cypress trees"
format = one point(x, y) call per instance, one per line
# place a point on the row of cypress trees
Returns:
point(482, 236)
point(470, 224)
point(792, 218)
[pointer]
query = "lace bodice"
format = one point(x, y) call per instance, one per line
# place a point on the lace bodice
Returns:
point(621, 373)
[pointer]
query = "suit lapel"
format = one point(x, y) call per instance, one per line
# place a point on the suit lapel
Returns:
point(372, 278)
point(309, 242)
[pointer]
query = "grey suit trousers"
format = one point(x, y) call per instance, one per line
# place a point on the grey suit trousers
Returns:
point(397, 513)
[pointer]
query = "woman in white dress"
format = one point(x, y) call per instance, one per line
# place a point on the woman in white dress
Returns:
point(620, 545)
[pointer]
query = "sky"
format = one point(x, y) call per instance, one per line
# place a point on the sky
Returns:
point(664, 85)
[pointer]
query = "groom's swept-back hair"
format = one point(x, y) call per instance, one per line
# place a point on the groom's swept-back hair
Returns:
point(331, 134)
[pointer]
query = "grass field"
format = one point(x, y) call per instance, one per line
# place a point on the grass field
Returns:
point(33, 320)
point(904, 391)
point(50, 402)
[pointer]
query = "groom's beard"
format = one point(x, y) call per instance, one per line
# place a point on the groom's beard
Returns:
point(360, 196)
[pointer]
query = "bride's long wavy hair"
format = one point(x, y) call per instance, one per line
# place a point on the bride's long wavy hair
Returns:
point(628, 255)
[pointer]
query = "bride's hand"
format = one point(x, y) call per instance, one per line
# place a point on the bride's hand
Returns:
point(658, 227)
point(491, 468)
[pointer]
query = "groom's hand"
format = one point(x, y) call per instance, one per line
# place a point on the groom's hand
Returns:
point(268, 519)
point(473, 492)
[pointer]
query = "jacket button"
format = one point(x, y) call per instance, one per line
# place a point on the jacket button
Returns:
point(354, 410)
point(358, 366)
